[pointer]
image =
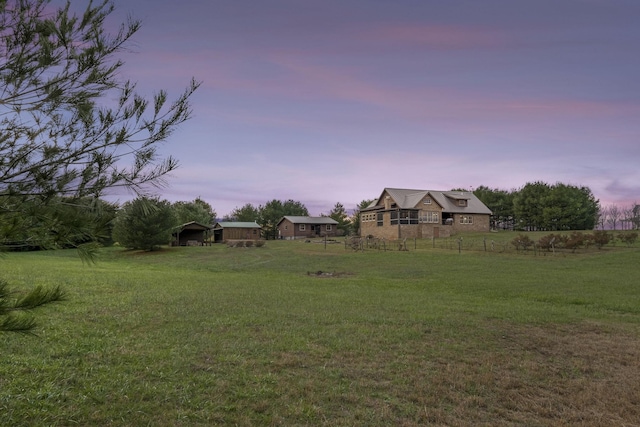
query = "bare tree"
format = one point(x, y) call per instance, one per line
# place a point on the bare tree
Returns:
point(614, 216)
point(603, 214)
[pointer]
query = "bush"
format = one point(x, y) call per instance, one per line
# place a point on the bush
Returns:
point(601, 238)
point(575, 240)
point(522, 242)
point(550, 241)
point(628, 238)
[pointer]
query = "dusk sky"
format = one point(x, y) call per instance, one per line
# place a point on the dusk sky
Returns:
point(333, 100)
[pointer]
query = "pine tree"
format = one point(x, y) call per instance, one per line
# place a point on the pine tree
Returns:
point(70, 127)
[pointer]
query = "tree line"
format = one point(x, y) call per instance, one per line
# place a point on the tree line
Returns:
point(615, 217)
point(539, 206)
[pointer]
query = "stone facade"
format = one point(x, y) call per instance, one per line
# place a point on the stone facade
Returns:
point(400, 214)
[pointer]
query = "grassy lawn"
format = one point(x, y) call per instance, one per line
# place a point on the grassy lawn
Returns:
point(298, 333)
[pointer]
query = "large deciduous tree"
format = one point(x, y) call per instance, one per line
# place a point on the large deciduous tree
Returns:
point(70, 126)
point(272, 211)
point(246, 213)
point(198, 210)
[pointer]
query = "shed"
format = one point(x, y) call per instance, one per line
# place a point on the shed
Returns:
point(191, 234)
point(236, 230)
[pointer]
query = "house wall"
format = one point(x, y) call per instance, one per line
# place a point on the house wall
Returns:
point(234, 233)
point(289, 231)
point(286, 230)
point(480, 224)
point(422, 230)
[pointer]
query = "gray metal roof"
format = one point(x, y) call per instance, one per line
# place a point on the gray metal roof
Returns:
point(236, 224)
point(309, 219)
point(448, 200)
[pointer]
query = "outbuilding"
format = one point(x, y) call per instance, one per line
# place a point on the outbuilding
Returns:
point(236, 230)
point(191, 234)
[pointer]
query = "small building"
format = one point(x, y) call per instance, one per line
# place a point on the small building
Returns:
point(191, 234)
point(404, 213)
point(235, 230)
point(306, 227)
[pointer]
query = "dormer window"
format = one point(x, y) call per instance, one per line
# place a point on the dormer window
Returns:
point(462, 202)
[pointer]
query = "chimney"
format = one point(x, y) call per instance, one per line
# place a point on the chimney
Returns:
point(387, 203)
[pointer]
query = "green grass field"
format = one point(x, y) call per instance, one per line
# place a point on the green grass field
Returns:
point(303, 334)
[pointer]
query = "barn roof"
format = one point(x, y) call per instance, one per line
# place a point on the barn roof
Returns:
point(236, 224)
point(309, 220)
point(193, 225)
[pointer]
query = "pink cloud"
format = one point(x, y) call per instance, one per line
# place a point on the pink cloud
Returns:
point(432, 36)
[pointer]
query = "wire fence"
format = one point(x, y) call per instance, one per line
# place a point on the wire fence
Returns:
point(507, 243)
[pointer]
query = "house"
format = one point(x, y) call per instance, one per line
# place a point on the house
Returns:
point(191, 234)
point(305, 227)
point(403, 213)
point(233, 230)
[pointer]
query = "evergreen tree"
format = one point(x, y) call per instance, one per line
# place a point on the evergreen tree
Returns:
point(70, 126)
point(339, 214)
point(528, 203)
point(144, 223)
point(500, 202)
point(14, 308)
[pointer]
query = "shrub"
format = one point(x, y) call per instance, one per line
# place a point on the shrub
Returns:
point(601, 238)
point(628, 238)
point(575, 240)
point(522, 242)
point(550, 241)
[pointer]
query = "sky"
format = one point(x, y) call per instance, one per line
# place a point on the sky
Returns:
point(331, 101)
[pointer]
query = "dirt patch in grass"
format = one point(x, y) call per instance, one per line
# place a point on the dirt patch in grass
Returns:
point(328, 274)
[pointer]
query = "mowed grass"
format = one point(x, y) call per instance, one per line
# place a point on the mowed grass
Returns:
point(298, 334)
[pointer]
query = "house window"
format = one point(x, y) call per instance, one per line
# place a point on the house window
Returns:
point(328, 227)
point(427, 201)
point(462, 203)
point(430, 217)
point(404, 217)
point(380, 219)
point(286, 227)
point(302, 227)
point(256, 232)
point(466, 219)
